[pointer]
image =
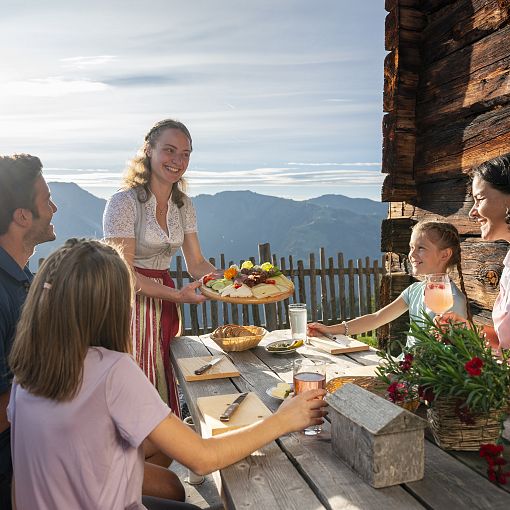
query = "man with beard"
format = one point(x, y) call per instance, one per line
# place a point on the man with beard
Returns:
point(26, 212)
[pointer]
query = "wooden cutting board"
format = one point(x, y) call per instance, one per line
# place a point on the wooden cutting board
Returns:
point(251, 410)
point(225, 368)
point(342, 345)
point(212, 294)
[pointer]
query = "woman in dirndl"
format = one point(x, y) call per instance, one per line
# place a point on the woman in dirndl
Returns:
point(151, 218)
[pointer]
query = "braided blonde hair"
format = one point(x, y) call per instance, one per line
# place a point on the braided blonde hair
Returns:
point(445, 235)
point(138, 172)
point(80, 298)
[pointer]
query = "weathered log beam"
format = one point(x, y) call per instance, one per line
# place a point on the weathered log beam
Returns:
point(395, 234)
point(468, 141)
point(431, 6)
point(482, 266)
point(448, 200)
point(397, 187)
point(474, 78)
point(460, 25)
point(391, 287)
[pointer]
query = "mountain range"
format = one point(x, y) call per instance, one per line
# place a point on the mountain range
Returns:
point(235, 222)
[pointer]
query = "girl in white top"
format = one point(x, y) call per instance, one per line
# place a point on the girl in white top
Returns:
point(434, 248)
point(151, 218)
point(81, 408)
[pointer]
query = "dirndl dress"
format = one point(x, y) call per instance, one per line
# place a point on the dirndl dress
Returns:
point(155, 322)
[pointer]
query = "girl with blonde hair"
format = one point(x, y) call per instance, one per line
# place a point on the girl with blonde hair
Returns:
point(151, 218)
point(434, 248)
point(80, 406)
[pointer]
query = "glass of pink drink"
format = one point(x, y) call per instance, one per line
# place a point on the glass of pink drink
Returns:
point(309, 374)
point(438, 293)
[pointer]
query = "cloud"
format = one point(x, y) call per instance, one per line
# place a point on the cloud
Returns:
point(87, 62)
point(53, 86)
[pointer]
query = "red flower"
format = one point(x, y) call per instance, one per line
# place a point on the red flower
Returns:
point(405, 365)
point(397, 391)
point(474, 367)
point(490, 450)
point(495, 461)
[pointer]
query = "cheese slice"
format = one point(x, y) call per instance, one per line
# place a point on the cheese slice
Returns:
point(265, 289)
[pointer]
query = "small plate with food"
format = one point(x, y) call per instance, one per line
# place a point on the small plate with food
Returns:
point(284, 346)
point(281, 391)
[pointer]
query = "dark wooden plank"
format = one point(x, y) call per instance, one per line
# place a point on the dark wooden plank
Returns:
point(279, 304)
point(255, 310)
point(213, 305)
point(332, 292)
point(285, 324)
point(461, 26)
point(270, 309)
point(301, 282)
point(448, 484)
point(368, 283)
point(377, 284)
point(362, 299)
point(325, 303)
point(313, 288)
point(341, 287)
point(352, 300)
point(476, 463)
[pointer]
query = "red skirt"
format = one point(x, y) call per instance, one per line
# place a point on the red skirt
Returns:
point(154, 323)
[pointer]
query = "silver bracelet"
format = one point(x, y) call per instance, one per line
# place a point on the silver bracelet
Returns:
point(346, 328)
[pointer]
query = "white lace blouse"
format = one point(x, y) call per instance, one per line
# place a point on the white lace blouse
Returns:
point(126, 216)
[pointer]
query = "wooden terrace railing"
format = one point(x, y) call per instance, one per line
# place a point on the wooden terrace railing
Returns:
point(334, 291)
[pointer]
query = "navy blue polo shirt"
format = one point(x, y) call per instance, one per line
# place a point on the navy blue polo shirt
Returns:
point(14, 284)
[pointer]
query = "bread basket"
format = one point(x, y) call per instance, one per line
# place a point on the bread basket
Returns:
point(232, 337)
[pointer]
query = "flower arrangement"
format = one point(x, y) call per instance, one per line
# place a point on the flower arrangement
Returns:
point(451, 362)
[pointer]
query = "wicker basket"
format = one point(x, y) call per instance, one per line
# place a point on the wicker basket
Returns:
point(363, 381)
point(452, 434)
point(241, 343)
point(371, 384)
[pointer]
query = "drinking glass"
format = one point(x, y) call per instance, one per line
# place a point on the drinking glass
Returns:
point(438, 293)
point(309, 374)
point(297, 318)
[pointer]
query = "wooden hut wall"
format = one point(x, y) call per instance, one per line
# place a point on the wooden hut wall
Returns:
point(447, 104)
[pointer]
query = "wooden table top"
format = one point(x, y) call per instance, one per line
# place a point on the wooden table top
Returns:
point(301, 472)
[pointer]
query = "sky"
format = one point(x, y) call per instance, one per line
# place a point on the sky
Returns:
point(281, 97)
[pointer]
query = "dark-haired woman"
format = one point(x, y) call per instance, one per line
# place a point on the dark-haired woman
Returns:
point(151, 218)
point(491, 209)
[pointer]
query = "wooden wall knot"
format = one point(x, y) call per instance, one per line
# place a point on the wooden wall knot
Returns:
point(489, 274)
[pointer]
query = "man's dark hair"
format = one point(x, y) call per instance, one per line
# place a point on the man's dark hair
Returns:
point(18, 174)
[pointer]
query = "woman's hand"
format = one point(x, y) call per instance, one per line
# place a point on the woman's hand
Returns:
point(447, 318)
point(316, 329)
point(188, 294)
point(302, 411)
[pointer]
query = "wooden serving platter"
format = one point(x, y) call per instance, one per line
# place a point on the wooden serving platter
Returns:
point(342, 345)
point(212, 294)
point(251, 410)
point(223, 369)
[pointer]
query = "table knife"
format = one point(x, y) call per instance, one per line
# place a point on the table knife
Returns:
point(207, 366)
point(231, 409)
point(330, 336)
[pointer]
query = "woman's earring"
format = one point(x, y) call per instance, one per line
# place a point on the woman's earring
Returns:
point(507, 215)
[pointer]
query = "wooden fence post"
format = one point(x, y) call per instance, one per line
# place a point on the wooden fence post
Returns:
point(269, 309)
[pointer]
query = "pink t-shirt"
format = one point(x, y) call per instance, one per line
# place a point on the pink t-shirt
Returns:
point(85, 453)
point(501, 310)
